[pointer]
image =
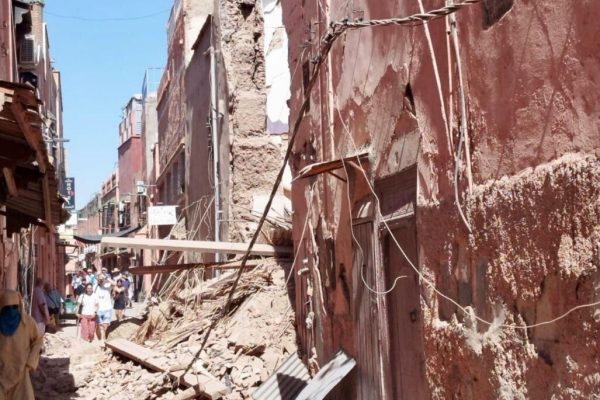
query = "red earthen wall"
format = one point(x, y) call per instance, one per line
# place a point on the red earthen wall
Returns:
point(531, 82)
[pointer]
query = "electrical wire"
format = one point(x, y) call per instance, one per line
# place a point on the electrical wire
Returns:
point(432, 285)
point(355, 240)
point(108, 19)
point(463, 138)
point(327, 41)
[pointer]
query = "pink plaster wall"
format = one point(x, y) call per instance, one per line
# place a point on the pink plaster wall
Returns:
point(130, 164)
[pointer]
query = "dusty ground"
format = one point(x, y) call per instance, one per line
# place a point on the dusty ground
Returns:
point(70, 364)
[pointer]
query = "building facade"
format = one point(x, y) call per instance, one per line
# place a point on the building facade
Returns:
point(460, 208)
point(33, 158)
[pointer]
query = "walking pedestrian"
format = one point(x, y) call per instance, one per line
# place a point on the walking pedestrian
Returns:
point(54, 301)
point(77, 283)
point(126, 285)
point(105, 306)
point(87, 308)
point(91, 278)
point(106, 273)
point(120, 299)
point(20, 347)
point(39, 308)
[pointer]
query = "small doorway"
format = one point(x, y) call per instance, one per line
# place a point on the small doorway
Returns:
point(398, 235)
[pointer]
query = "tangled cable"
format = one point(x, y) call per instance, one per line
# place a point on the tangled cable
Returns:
point(410, 20)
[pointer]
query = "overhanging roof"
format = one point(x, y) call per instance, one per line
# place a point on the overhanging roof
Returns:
point(29, 188)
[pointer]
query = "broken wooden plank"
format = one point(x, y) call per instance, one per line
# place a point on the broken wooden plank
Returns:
point(196, 246)
point(204, 382)
point(328, 166)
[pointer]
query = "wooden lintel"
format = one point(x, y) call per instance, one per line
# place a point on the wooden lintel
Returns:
point(196, 246)
point(9, 177)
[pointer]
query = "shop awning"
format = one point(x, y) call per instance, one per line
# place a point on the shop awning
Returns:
point(94, 239)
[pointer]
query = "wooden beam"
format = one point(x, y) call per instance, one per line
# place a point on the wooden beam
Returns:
point(196, 246)
point(162, 269)
point(206, 384)
point(328, 166)
point(10, 182)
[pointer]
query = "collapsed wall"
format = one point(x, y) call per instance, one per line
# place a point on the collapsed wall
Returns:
point(252, 159)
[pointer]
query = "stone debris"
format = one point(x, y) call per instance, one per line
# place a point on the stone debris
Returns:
point(243, 350)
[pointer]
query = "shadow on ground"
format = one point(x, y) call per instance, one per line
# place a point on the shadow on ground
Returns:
point(52, 380)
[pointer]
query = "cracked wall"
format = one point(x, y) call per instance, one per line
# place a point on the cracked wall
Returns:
point(531, 80)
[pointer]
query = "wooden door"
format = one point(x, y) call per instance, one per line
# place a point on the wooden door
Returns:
point(404, 313)
point(369, 382)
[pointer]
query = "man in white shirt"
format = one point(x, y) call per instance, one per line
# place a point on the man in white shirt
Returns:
point(105, 305)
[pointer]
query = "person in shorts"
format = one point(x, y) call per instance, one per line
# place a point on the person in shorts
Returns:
point(105, 305)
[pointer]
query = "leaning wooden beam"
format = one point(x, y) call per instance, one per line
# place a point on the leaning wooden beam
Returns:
point(329, 166)
point(203, 382)
point(196, 246)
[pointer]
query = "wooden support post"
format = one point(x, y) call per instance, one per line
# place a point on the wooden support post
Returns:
point(47, 203)
point(10, 182)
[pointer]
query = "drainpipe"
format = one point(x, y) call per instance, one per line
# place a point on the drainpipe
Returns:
point(214, 124)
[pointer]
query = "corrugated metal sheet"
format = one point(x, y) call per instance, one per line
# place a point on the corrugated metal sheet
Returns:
point(328, 377)
point(292, 382)
point(287, 381)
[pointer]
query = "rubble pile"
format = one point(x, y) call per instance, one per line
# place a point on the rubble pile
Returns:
point(243, 350)
point(246, 346)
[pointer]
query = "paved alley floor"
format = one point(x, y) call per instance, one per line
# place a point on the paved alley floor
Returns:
point(69, 363)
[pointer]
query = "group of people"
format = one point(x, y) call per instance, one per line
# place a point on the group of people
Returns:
point(97, 299)
point(46, 304)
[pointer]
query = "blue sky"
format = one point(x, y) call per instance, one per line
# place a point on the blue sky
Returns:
point(102, 63)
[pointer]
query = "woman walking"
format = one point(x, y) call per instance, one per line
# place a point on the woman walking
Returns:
point(120, 296)
point(89, 308)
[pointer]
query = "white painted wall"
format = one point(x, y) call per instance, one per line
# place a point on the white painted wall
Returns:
point(276, 68)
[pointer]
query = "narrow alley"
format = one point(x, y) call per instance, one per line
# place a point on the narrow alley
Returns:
point(294, 200)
